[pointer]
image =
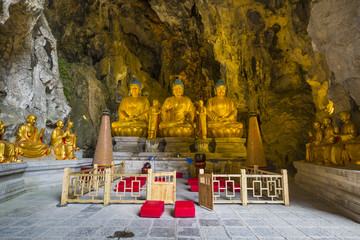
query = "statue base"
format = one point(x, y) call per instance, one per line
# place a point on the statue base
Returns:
point(231, 147)
point(178, 145)
point(202, 146)
point(129, 144)
point(155, 145)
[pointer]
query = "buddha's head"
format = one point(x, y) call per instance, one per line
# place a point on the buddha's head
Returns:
point(327, 121)
point(135, 88)
point(70, 124)
point(344, 116)
point(60, 124)
point(317, 125)
point(220, 88)
point(178, 88)
point(31, 119)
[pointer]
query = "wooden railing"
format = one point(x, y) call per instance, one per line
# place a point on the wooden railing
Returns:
point(251, 186)
point(111, 185)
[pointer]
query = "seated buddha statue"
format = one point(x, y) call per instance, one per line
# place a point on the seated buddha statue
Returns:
point(62, 150)
point(348, 145)
point(8, 151)
point(222, 115)
point(29, 140)
point(133, 113)
point(328, 139)
point(314, 150)
point(177, 114)
point(70, 137)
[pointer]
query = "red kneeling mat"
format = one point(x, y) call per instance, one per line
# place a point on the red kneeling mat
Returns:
point(193, 181)
point(152, 209)
point(184, 209)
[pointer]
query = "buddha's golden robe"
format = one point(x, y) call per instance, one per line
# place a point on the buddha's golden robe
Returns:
point(177, 116)
point(62, 150)
point(221, 118)
point(29, 142)
point(133, 117)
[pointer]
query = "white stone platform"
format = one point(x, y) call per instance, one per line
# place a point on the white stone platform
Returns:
point(339, 187)
point(17, 178)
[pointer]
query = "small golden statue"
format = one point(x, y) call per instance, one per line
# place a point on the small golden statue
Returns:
point(347, 146)
point(222, 115)
point(201, 121)
point(70, 137)
point(155, 110)
point(314, 150)
point(177, 114)
point(328, 139)
point(8, 151)
point(133, 113)
point(29, 140)
point(62, 150)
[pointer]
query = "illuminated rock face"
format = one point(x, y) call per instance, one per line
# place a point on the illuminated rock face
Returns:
point(260, 48)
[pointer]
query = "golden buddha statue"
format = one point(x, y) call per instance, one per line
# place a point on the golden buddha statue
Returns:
point(177, 114)
point(222, 115)
point(133, 113)
point(155, 110)
point(8, 151)
point(314, 150)
point(339, 151)
point(70, 137)
point(62, 150)
point(328, 139)
point(29, 140)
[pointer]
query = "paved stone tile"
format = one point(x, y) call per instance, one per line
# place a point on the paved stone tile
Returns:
point(298, 222)
point(209, 222)
point(164, 223)
point(186, 238)
point(315, 232)
point(226, 215)
point(82, 232)
point(145, 223)
point(162, 232)
point(118, 222)
point(277, 222)
point(265, 232)
point(56, 232)
point(232, 222)
point(10, 231)
point(27, 222)
point(240, 208)
point(285, 215)
point(339, 232)
point(190, 232)
point(93, 222)
point(188, 223)
point(139, 232)
point(222, 208)
point(214, 233)
point(240, 231)
point(255, 222)
point(31, 232)
point(83, 215)
point(244, 215)
point(74, 222)
point(290, 232)
point(108, 231)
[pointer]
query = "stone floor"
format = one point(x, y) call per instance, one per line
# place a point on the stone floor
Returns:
point(34, 215)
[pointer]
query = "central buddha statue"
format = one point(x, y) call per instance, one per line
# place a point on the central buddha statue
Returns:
point(177, 114)
point(133, 113)
point(222, 115)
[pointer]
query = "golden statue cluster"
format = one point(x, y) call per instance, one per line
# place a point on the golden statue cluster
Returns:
point(330, 146)
point(29, 144)
point(176, 117)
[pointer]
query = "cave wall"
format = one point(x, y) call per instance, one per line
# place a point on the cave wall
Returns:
point(262, 49)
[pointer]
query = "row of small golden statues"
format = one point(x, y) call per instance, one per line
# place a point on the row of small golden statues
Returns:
point(175, 118)
point(29, 143)
point(329, 146)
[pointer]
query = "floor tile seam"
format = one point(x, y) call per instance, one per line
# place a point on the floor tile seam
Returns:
point(319, 236)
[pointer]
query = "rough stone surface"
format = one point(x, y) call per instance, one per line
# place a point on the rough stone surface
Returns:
point(339, 41)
